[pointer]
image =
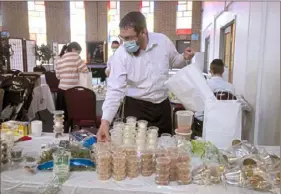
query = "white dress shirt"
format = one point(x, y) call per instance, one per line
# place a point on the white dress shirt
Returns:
point(141, 77)
point(108, 65)
point(217, 83)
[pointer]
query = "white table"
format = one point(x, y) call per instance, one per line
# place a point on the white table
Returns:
point(21, 182)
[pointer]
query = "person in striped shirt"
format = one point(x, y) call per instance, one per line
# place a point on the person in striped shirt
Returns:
point(68, 66)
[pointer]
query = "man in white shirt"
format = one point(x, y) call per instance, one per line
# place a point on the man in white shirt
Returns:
point(139, 71)
point(114, 46)
point(217, 83)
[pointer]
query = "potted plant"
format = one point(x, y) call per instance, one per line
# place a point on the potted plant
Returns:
point(44, 54)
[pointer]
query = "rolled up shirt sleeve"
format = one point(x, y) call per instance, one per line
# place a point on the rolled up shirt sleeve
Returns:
point(116, 87)
point(176, 60)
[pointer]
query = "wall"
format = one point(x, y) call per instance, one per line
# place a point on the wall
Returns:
point(128, 6)
point(165, 15)
point(256, 70)
point(96, 20)
point(58, 21)
point(15, 18)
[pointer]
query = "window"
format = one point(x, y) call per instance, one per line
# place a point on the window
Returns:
point(78, 26)
point(113, 18)
point(227, 48)
point(147, 9)
point(184, 17)
point(37, 22)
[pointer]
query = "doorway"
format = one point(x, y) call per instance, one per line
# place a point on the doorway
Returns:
point(227, 48)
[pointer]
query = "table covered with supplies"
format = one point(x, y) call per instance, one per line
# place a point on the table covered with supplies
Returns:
point(19, 180)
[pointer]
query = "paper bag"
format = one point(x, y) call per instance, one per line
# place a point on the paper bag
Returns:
point(191, 88)
point(85, 80)
point(222, 122)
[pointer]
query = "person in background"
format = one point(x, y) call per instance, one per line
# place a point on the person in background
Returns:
point(114, 46)
point(68, 66)
point(217, 83)
point(138, 75)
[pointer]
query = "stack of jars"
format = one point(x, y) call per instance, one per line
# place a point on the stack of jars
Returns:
point(173, 167)
point(129, 131)
point(103, 161)
point(162, 170)
point(119, 166)
point(147, 165)
point(152, 138)
point(183, 173)
point(117, 133)
point(58, 122)
point(133, 166)
point(141, 135)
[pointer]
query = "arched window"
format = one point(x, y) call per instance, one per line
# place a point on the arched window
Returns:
point(113, 19)
point(37, 22)
point(147, 9)
point(77, 25)
point(184, 17)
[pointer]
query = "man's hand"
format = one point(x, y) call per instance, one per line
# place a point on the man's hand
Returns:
point(188, 53)
point(107, 72)
point(103, 133)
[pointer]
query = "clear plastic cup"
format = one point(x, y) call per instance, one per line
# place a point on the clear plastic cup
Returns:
point(184, 157)
point(151, 146)
point(183, 168)
point(163, 162)
point(152, 141)
point(16, 153)
point(131, 119)
point(140, 141)
point(152, 136)
point(142, 124)
point(160, 152)
point(184, 120)
point(153, 129)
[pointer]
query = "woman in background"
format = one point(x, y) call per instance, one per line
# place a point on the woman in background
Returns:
point(68, 66)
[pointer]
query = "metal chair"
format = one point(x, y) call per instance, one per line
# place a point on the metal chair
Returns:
point(81, 108)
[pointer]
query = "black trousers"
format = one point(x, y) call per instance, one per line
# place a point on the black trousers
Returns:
point(158, 115)
point(61, 105)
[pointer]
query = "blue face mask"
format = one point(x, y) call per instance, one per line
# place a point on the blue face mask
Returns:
point(131, 46)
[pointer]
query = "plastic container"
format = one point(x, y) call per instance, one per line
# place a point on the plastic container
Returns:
point(153, 129)
point(131, 119)
point(183, 168)
point(141, 135)
point(148, 154)
point(142, 130)
point(119, 177)
point(186, 136)
point(163, 162)
point(184, 120)
point(142, 124)
point(146, 172)
point(104, 176)
point(16, 154)
point(160, 152)
point(130, 150)
point(184, 157)
point(86, 138)
point(31, 160)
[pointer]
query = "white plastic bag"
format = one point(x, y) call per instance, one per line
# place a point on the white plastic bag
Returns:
point(190, 87)
point(222, 122)
point(85, 80)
